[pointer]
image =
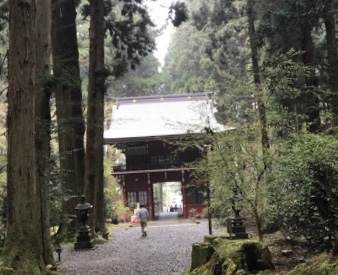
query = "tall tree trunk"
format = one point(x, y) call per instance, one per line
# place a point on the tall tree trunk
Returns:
point(42, 114)
point(68, 97)
point(257, 78)
point(258, 221)
point(94, 185)
point(332, 58)
point(261, 109)
point(310, 99)
point(27, 245)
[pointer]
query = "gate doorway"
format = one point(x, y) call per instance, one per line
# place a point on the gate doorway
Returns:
point(168, 200)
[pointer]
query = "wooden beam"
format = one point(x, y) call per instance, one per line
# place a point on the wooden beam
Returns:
point(152, 171)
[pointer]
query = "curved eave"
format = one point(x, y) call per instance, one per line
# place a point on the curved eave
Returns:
point(188, 136)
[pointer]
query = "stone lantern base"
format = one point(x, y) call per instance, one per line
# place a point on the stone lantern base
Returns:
point(83, 240)
point(236, 228)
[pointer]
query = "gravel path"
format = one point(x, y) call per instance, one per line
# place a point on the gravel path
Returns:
point(166, 250)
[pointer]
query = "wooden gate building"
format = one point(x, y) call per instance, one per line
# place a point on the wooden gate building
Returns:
point(149, 131)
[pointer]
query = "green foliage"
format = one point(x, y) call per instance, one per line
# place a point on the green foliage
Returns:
point(298, 26)
point(235, 103)
point(284, 82)
point(129, 41)
point(113, 197)
point(209, 53)
point(187, 67)
point(144, 80)
point(319, 265)
point(128, 25)
point(225, 24)
point(304, 195)
point(237, 174)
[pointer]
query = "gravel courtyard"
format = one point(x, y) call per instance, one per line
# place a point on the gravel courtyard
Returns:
point(165, 251)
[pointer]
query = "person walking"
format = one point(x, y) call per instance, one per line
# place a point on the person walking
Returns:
point(142, 215)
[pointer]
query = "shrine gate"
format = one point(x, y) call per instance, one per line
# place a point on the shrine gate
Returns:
point(149, 130)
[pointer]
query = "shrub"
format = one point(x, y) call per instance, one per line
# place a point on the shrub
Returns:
point(304, 196)
point(113, 196)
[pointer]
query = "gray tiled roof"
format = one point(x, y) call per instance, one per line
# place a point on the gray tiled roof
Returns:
point(160, 116)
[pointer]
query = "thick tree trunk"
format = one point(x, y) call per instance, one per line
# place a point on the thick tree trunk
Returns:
point(332, 58)
point(257, 79)
point(68, 97)
point(94, 185)
point(27, 245)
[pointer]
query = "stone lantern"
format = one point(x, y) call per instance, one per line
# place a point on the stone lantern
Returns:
point(83, 240)
point(235, 224)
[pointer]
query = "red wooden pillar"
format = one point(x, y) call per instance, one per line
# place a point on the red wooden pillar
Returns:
point(125, 196)
point(124, 190)
point(150, 198)
point(184, 195)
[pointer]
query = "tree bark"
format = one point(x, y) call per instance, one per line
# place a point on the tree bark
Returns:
point(258, 221)
point(27, 246)
point(332, 58)
point(310, 99)
point(261, 110)
point(257, 78)
point(68, 97)
point(94, 185)
point(42, 115)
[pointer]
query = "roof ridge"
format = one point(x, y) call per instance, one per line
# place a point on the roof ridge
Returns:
point(161, 97)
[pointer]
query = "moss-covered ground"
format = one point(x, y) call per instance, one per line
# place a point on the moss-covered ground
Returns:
point(299, 260)
point(323, 264)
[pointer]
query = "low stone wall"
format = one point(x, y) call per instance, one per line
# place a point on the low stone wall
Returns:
point(222, 256)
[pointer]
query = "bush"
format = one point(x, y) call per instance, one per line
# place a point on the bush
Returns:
point(304, 196)
point(114, 207)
